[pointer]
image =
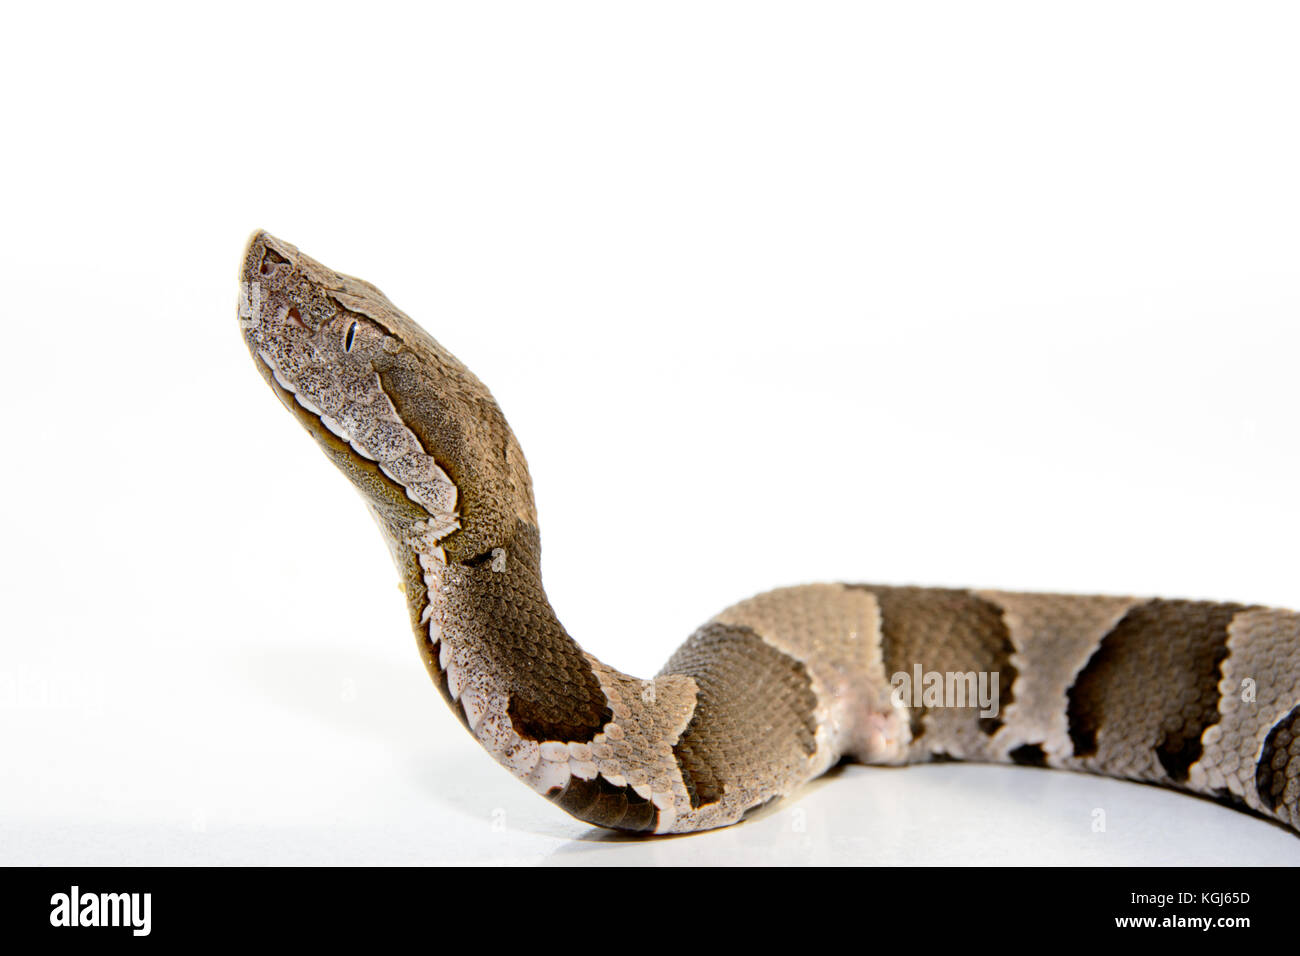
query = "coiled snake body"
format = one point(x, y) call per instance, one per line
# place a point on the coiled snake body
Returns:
point(775, 690)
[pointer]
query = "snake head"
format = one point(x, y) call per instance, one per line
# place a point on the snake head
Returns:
point(401, 417)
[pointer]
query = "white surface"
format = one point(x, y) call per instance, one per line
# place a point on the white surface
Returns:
point(991, 295)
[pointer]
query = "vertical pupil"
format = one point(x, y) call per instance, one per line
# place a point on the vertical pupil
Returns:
point(352, 331)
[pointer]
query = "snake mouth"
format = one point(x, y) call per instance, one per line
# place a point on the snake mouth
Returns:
point(318, 430)
point(309, 418)
point(440, 524)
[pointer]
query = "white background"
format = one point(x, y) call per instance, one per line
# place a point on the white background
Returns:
point(956, 294)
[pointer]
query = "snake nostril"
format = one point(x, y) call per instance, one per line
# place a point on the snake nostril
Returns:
point(295, 317)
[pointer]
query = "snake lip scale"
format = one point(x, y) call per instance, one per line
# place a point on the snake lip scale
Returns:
point(1198, 696)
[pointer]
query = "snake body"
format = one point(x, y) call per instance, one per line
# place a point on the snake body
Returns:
point(1202, 697)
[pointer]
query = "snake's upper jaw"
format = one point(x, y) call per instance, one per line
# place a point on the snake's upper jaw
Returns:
point(267, 275)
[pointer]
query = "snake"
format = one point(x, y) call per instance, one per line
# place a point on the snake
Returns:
point(1201, 697)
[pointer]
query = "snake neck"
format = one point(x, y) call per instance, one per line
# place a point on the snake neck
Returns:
point(495, 646)
point(591, 739)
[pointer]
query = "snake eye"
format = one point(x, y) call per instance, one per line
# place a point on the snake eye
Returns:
point(350, 338)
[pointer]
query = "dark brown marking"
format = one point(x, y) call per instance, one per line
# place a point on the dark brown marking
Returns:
point(478, 560)
point(691, 751)
point(543, 719)
point(947, 631)
point(1279, 765)
point(1029, 755)
point(603, 804)
point(1227, 798)
point(754, 716)
point(1162, 653)
point(554, 694)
